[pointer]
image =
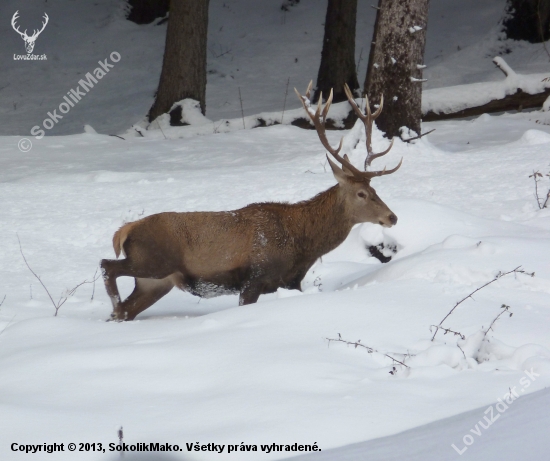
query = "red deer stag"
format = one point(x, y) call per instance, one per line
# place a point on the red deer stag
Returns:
point(253, 250)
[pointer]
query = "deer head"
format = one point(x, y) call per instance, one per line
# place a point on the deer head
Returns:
point(361, 201)
point(29, 41)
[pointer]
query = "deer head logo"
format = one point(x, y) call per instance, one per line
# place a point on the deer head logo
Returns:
point(29, 41)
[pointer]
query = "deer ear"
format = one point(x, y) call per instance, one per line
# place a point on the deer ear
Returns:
point(339, 174)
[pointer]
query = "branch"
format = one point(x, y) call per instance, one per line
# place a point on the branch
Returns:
point(370, 350)
point(517, 270)
point(504, 67)
point(504, 308)
point(448, 330)
point(63, 297)
point(536, 175)
point(34, 273)
point(418, 137)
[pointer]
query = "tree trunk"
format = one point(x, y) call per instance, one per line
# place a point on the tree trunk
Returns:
point(338, 55)
point(395, 63)
point(146, 11)
point(184, 66)
point(528, 20)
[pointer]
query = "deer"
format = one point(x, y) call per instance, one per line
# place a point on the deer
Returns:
point(253, 250)
point(29, 41)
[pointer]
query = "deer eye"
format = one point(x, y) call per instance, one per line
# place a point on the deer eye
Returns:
point(361, 194)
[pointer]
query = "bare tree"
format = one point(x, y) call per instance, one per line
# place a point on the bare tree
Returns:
point(338, 56)
point(396, 63)
point(184, 65)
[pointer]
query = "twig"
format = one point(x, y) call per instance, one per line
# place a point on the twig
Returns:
point(63, 297)
point(461, 350)
point(284, 103)
point(93, 286)
point(419, 136)
point(504, 308)
point(161, 130)
point(517, 270)
point(117, 136)
point(221, 54)
point(34, 273)
point(448, 330)
point(536, 175)
point(370, 350)
point(3, 299)
point(242, 111)
point(359, 61)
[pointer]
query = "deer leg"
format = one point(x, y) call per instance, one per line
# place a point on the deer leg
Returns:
point(145, 294)
point(110, 274)
point(250, 293)
point(114, 268)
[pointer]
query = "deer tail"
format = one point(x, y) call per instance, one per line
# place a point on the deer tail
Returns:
point(120, 237)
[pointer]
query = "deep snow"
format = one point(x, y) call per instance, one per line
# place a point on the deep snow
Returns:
point(208, 371)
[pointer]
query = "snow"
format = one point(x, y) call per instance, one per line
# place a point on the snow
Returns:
point(192, 370)
point(433, 442)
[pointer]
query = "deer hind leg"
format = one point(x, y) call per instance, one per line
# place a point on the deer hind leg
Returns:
point(110, 269)
point(145, 294)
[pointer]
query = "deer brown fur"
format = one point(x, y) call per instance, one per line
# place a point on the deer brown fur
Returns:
point(250, 251)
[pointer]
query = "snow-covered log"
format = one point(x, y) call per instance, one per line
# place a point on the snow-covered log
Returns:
point(515, 92)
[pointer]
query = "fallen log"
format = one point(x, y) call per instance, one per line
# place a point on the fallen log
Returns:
point(515, 102)
point(515, 93)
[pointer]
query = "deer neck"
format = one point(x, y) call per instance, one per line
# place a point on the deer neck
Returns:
point(325, 223)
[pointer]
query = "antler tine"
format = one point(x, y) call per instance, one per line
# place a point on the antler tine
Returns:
point(327, 105)
point(319, 119)
point(352, 102)
point(370, 158)
point(308, 90)
point(380, 107)
point(372, 174)
point(319, 105)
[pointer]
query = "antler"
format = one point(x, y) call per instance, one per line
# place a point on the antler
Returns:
point(16, 28)
point(367, 119)
point(319, 116)
point(35, 34)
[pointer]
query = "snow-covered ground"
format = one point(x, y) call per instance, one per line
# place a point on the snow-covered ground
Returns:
point(209, 371)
